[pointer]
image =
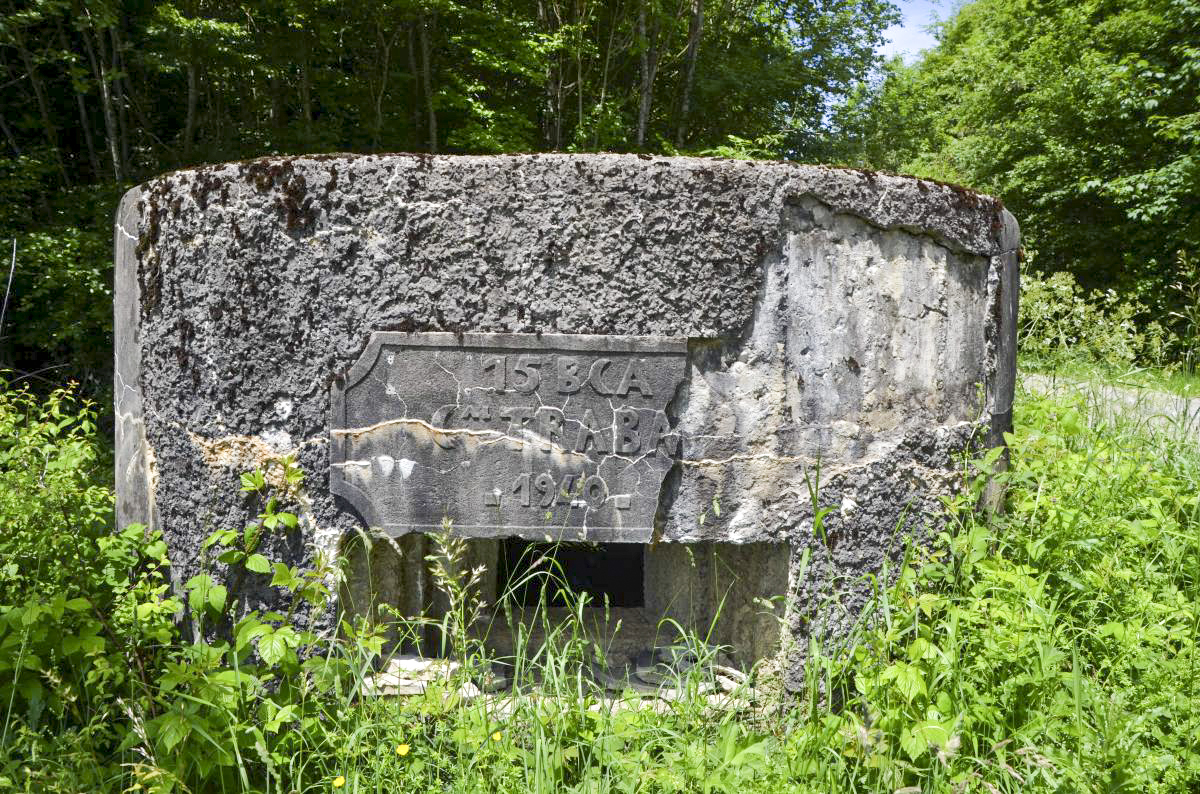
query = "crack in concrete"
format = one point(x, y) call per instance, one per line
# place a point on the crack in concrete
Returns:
point(744, 456)
point(492, 436)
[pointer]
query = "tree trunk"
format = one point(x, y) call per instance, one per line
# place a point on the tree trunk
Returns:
point(100, 71)
point(213, 101)
point(386, 45)
point(81, 105)
point(427, 77)
point(120, 84)
point(193, 97)
point(612, 33)
point(415, 71)
point(648, 56)
point(559, 101)
point(278, 119)
point(695, 31)
point(550, 18)
point(12, 141)
point(543, 18)
point(43, 108)
point(193, 90)
point(581, 14)
point(306, 101)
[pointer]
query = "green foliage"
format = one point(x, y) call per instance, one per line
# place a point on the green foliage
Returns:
point(58, 244)
point(221, 705)
point(52, 506)
point(1185, 320)
point(1049, 647)
point(81, 609)
point(60, 309)
point(1082, 116)
point(1061, 326)
point(1054, 647)
point(101, 94)
point(504, 75)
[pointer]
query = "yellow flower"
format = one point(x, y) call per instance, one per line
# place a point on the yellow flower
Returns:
point(339, 781)
point(497, 736)
point(402, 749)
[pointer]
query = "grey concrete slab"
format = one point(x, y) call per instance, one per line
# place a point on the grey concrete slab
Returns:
point(834, 338)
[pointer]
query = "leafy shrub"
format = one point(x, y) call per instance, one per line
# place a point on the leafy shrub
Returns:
point(75, 633)
point(52, 503)
point(1060, 325)
point(94, 668)
point(59, 316)
point(1052, 647)
point(1184, 321)
point(60, 309)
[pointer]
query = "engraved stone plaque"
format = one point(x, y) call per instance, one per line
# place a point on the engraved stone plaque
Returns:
point(552, 436)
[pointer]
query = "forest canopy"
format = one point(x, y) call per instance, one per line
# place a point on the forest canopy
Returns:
point(100, 94)
point(1083, 117)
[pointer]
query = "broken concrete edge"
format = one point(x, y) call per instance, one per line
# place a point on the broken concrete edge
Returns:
point(1005, 279)
point(134, 460)
point(1006, 263)
point(906, 203)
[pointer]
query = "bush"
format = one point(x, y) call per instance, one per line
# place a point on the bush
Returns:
point(53, 505)
point(73, 641)
point(58, 323)
point(1061, 326)
point(1052, 647)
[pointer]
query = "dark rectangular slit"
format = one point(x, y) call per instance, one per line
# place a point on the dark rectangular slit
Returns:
point(612, 572)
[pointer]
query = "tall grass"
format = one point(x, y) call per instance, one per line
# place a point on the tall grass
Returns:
point(1051, 647)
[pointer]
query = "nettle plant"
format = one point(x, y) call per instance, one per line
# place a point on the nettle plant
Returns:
point(223, 700)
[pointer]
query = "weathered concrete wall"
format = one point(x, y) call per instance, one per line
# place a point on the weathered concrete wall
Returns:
point(844, 323)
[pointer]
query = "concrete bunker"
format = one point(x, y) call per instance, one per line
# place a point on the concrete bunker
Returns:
point(649, 338)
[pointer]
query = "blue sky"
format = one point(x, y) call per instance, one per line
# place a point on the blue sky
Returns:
point(909, 37)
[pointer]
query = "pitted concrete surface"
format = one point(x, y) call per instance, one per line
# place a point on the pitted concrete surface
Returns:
point(850, 334)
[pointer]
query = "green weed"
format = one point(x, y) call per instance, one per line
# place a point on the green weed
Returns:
point(1049, 647)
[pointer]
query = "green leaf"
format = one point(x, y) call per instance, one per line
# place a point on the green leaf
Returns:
point(198, 587)
point(216, 597)
point(221, 537)
point(249, 630)
point(171, 729)
point(907, 678)
point(272, 648)
point(257, 563)
point(279, 715)
point(284, 576)
point(913, 743)
point(923, 736)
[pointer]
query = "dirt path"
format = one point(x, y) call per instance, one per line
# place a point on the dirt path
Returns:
point(1162, 411)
